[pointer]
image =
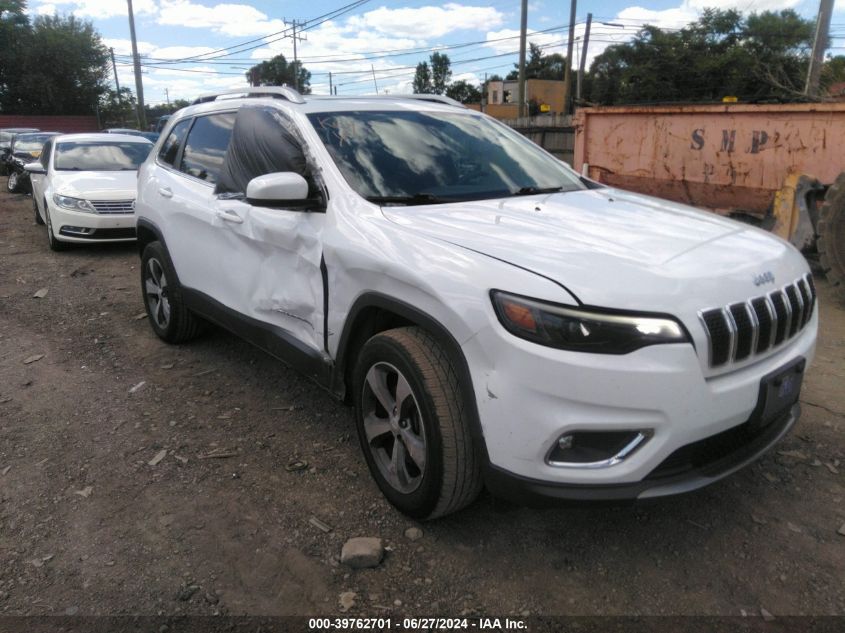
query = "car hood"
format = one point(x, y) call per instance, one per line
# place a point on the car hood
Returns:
point(614, 248)
point(96, 185)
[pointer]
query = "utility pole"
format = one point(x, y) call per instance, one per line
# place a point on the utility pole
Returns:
point(331, 87)
point(167, 95)
point(523, 34)
point(820, 43)
point(583, 62)
point(373, 68)
point(567, 76)
point(116, 80)
point(136, 62)
point(296, 38)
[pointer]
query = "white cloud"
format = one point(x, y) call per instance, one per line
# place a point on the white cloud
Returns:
point(97, 9)
point(235, 20)
point(433, 21)
point(743, 5)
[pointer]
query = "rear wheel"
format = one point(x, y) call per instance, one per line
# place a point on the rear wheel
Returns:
point(831, 230)
point(413, 424)
point(170, 319)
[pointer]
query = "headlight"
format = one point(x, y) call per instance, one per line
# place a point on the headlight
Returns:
point(74, 204)
point(583, 330)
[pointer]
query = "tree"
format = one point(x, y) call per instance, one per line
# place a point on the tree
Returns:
point(464, 92)
point(278, 71)
point(539, 66)
point(761, 57)
point(441, 72)
point(14, 31)
point(118, 110)
point(62, 68)
point(833, 71)
point(422, 80)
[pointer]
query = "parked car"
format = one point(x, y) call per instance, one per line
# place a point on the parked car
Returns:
point(150, 136)
point(6, 136)
point(84, 187)
point(25, 149)
point(493, 317)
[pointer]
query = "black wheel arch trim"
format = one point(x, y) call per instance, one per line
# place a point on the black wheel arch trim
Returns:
point(432, 326)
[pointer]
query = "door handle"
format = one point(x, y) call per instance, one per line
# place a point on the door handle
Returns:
point(228, 215)
point(165, 191)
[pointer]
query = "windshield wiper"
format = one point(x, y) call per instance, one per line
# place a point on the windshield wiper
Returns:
point(417, 198)
point(530, 191)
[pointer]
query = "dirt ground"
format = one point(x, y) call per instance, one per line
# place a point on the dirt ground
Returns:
point(89, 526)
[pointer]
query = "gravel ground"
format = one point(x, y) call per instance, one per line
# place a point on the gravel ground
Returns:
point(140, 478)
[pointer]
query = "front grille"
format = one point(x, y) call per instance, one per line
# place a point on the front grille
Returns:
point(114, 206)
point(742, 330)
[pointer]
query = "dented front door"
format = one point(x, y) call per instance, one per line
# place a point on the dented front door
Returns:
point(279, 281)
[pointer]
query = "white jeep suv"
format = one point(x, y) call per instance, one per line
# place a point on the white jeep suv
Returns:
point(495, 319)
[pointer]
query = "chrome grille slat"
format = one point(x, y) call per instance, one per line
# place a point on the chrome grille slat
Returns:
point(740, 331)
point(113, 206)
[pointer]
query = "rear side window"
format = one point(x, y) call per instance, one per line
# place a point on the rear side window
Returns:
point(170, 149)
point(206, 146)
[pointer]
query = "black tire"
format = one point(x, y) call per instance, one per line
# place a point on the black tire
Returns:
point(12, 183)
point(180, 325)
point(52, 242)
point(451, 478)
point(831, 230)
point(38, 219)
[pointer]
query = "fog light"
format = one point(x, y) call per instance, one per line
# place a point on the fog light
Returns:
point(595, 449)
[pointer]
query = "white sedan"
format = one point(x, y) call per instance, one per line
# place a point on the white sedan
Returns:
point(84, 187)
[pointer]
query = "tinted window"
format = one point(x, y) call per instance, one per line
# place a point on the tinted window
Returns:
point(45, 153)
point(99, 156)
point(407, 154)
point(170, 149)
point(206, 146)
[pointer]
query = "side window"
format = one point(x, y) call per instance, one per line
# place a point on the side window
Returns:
point(206, 146)
point(45, 154)
point(173, 143)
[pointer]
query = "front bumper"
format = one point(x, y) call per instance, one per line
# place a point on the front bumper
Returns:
point(532, 492)
point(528, 396)
point(79, 227)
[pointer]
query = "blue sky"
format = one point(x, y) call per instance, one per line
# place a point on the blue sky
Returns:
point(388, 38)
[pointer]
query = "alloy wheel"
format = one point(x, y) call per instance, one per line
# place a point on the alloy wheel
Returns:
point(12, 185)
point(156, 291)
point(393, 427)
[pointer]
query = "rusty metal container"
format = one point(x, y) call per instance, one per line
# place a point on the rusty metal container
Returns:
point(725, 157)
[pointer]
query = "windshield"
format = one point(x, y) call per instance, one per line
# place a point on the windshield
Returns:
point(406, 157)
point(30, 144)
point(6, 135)
point(100, 156)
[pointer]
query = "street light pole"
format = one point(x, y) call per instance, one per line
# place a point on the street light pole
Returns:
point(523, 34)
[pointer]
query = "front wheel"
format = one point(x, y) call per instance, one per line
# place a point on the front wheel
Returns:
point(168, 315)
point(52, 242)
point(413, 424)
point(13, 183)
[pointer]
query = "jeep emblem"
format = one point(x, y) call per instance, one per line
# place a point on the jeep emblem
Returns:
point(767, 277)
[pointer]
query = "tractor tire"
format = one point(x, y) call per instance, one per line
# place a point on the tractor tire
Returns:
point(831, 230)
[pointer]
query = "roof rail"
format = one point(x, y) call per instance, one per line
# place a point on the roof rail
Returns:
point(278, 92)
point(427, 97)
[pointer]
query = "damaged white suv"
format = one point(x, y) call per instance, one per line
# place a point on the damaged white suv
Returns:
point(495, 319)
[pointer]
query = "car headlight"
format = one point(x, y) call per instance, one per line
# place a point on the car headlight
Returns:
point(74, 204)
point(583, 330)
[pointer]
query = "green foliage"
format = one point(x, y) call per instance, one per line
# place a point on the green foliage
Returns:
point(422, 80)
point(278, 71)
point(833, 70)
point(53, 65)
point(118, 111)
point(464, 92)
point(539, 66)
point(760, 57)
point(433, 77)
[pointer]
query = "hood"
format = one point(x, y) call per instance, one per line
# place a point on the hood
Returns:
point(96, 185)
point(613, 248)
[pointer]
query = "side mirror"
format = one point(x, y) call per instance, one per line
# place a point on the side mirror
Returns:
point(284, 188)
point(35, 168)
